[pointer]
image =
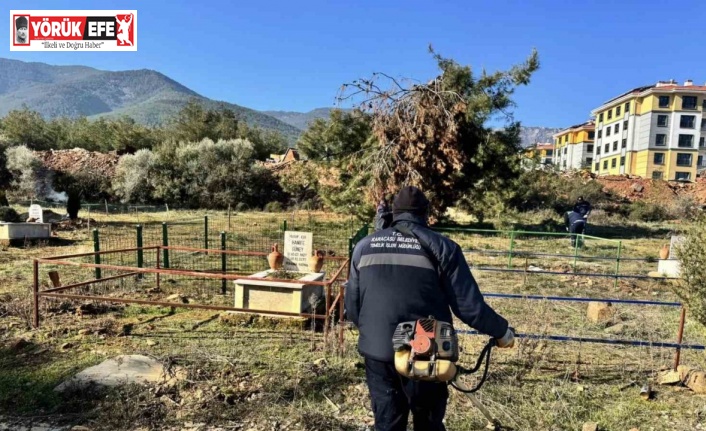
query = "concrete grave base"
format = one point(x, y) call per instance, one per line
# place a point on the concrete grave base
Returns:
point(291, 297)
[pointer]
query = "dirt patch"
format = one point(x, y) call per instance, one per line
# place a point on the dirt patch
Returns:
point(80, 160)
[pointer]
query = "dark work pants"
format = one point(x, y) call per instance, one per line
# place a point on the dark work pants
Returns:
point(576, 228)
point(394, 396)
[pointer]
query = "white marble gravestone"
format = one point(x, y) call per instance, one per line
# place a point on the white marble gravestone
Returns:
point(35, 212)
point(298, 247)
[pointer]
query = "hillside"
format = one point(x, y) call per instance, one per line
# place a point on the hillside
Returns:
point(148, 96)
point(300, 120)
point(531, 135)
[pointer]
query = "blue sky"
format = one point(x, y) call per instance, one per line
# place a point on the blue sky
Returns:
point(294, 55)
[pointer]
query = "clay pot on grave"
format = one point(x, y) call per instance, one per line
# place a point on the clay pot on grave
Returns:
point(275, 258)
point(316, 261)
point(664, 252)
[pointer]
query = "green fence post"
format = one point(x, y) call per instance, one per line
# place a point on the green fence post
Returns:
point(512, 246)
point(617, 263)
point(97, 248)
point(223, 261)
point(284, 226)
point(205, 232)
point(165, 243)
point(350, 247)
point(140, 253)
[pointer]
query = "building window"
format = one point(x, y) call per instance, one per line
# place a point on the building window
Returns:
point(662, 120)
point(589, 160)
point(616, 129)
point(613, 162)
point(607, 131)
point(664, 101)
point(591, 135)
point(605, 164)
point(622, 161)
point(624, 144)
point(683, 159)
point(658, 159)
point(703, 124)
point(686, 141)
point(657, 175)
point(564, 163)
point(598, 150)
point(610, 114)
point(615, 146)
point(600, 134)
point(688, 102)
point(702, 142)
point(687, 121)
point(589, 148)
point(682, 176)
point(550, 153)
point(617, 111)
point(625, 125)
point(627, 107)
point(703, 105)
point(606, 148)
point(595, 168)
point(565, 148)
point(661, 140)
point(700, 161)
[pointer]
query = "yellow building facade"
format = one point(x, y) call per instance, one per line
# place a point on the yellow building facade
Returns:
point(655, 131)
point(573, 146)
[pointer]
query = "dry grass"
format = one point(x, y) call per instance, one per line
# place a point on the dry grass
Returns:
point(271, 375)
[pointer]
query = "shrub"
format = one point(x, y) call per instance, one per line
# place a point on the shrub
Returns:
point(274, 207)
point(132, 177)
point(684, 207)
point(645, 211)
point(9, 215)
point(692, 287)
point(31, 179)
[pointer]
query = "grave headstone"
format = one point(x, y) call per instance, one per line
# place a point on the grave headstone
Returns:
point(675, 241)
point(297, 249)
point(35, 212)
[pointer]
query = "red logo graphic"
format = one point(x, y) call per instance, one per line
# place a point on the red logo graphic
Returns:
point(126, 32)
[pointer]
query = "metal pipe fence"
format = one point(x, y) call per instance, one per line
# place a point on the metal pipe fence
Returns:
point(105, 289)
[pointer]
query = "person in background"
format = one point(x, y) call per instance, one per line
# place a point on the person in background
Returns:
point(582, 207)
point(575, 224)
point(383, 214)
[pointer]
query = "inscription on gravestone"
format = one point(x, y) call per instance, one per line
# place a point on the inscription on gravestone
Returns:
point(35, 212)
point(297, 249)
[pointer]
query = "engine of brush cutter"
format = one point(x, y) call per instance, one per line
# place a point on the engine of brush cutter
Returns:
point(426, 349)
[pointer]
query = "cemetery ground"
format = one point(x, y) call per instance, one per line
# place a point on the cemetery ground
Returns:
point(256, 373)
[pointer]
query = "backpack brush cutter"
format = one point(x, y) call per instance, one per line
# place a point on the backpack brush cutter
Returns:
point(427, 350)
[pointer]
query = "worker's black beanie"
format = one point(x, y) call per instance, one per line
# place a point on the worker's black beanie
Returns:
point(410, 200)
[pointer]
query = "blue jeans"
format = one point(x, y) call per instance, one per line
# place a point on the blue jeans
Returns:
point(394, 396)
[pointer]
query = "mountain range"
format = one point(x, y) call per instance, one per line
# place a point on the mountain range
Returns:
point(147, 96)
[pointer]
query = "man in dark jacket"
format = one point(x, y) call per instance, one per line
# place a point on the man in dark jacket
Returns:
point(582, 207)
point(383, 215)
point(575, 224)
point(393, 279)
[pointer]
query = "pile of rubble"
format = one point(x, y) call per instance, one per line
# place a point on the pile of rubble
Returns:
point(657, 191)
point(78, 160)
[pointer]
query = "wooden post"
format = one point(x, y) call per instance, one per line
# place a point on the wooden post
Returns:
point(35, 286)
